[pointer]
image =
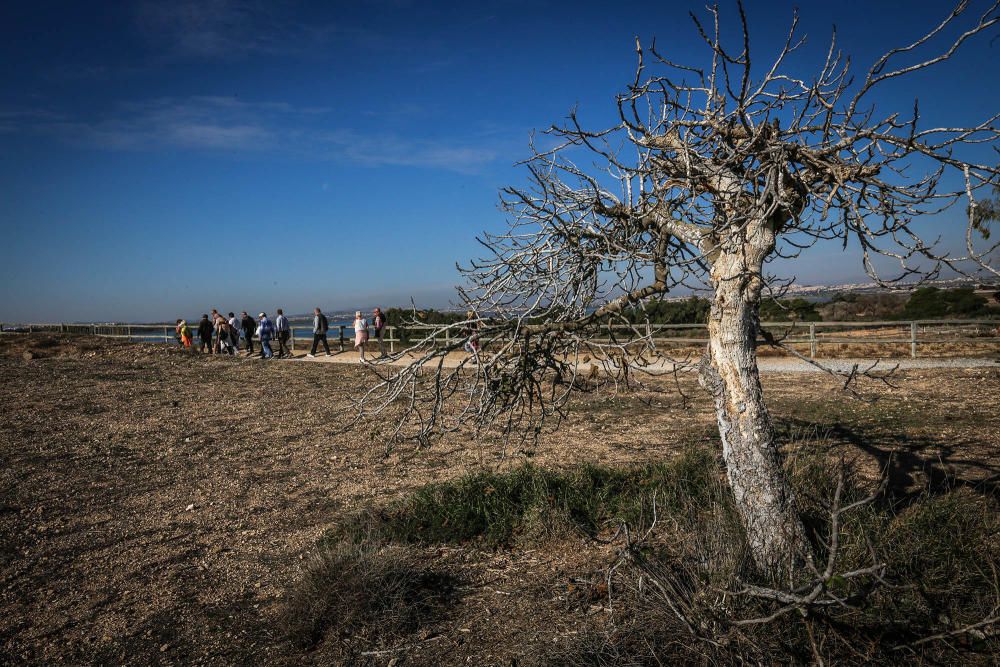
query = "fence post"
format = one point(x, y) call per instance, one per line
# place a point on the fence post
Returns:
point(62, 328)
point(812, 340)
point(128, 332)
point(165, 340)
point(913, 339)
point(291, 339)
point(29, 329)
point(94, 328)
point(392, 335)
point(341, 337)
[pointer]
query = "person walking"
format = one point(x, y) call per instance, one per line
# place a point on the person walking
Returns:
point(264, 331)
point(234, 331)
point(184, 334)
point(378, 323)
point(360, 334)
point(205, 329)
point(471, 332)
point(284, 333)
point(320, 326)
point(248, 326)
point(226, 336)
point(214, 318)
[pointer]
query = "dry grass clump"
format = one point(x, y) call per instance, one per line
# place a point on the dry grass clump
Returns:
point(367, 593)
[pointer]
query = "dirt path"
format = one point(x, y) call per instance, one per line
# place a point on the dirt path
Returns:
point(766, 364)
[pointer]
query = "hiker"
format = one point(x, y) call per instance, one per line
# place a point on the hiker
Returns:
point(471, 332)
point(184, 334)
point(284, 332)
point(320, 326)
point(360, 334)
point(248, 325)
point(214, 317)
point(378, 322)
point(177, 333)
point(205, 335)
point(264, 331)
point(225, 336)
point(234, 331)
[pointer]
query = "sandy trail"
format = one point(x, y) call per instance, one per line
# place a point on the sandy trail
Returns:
point(766, 364)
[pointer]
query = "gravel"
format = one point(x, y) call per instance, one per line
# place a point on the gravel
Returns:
point(790, 365)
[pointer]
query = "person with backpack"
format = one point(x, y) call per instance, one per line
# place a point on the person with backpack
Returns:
point(227, 336)
point(184, 334)
point(378, 322)
point(264, 331)
point(205, 330)
point(284, 333)
point(320, 326)
point(248, 326)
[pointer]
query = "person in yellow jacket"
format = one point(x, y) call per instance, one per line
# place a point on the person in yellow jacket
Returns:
point(184, 334)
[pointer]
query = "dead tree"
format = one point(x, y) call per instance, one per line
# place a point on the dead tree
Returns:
point(709, 173)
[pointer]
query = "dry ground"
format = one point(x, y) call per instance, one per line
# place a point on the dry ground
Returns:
point(155, 507)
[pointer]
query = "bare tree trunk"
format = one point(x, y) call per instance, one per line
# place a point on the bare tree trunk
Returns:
point(764, 499)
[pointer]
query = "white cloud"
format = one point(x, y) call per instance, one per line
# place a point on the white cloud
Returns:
point(229, 124)
point(380, 150)
point(196, 123)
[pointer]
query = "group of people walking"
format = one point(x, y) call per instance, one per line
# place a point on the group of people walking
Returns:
point(220, 334)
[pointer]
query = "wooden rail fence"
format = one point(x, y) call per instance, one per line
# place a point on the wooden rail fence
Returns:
point(813, 334)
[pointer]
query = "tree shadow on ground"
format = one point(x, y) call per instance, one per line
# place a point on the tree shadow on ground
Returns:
point(914, 463)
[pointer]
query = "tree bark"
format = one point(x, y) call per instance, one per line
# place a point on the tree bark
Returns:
point(764, 499)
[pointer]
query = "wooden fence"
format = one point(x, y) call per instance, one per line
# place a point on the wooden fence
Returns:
point(164, 333)
point(815, 335)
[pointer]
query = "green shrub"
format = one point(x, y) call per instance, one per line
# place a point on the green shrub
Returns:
point(934, 303)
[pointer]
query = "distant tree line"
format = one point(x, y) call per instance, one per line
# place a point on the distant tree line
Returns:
point(925, 303)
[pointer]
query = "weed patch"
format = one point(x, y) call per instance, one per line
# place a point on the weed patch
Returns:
point(532, 502)
point(370, 592)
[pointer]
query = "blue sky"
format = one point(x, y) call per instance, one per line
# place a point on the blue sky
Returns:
point(158, 159)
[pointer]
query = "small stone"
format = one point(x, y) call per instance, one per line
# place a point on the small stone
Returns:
point(164, 647)
point(189, 507)
point(28, 356)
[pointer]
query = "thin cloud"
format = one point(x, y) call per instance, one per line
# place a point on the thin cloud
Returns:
point(233, 30)
point(388, 150)
point(196, 123)
point(204, 29)
point(228, 124)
